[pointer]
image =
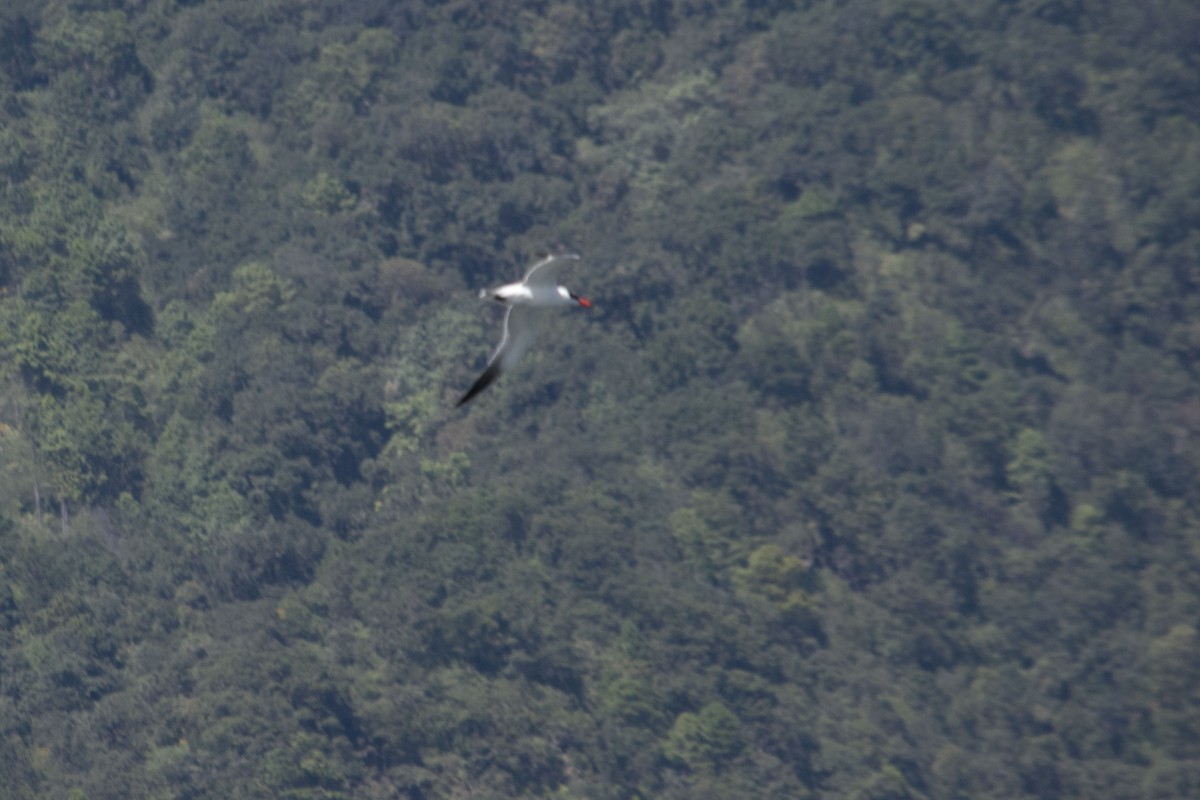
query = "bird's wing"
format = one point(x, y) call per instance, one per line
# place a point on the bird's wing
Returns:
point(520, 329)
point(482, 382)
point(545, 272)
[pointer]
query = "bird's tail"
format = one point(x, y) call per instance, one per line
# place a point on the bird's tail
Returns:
point(483, 294)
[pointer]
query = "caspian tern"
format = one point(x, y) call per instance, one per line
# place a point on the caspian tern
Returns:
point(538, 290)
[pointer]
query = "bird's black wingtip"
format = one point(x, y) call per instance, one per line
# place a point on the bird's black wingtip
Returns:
point(482, 382)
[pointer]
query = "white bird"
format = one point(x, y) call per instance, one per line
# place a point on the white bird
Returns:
point(538, 290)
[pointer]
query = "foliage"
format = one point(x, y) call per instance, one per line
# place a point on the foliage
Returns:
point(870, 475)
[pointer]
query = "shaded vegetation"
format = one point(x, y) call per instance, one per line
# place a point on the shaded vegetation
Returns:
point(872, 474)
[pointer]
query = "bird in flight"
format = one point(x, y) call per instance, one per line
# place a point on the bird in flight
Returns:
point(524, 299)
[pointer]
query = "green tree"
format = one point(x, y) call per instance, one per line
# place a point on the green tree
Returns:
point(706, 740)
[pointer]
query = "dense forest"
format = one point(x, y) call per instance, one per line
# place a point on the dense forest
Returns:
point(872, 474)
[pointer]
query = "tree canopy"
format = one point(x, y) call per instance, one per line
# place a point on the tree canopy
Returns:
point(872, 473)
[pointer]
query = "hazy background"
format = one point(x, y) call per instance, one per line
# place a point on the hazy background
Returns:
point(871, 475)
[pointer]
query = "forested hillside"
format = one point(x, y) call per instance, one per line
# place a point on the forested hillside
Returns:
point(871, 475)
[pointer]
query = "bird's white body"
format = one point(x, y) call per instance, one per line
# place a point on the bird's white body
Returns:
point(538, 290)
point(521, 293)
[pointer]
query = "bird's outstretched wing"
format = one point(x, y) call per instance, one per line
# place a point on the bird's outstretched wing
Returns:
point(520, 329)
point(545, 272)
